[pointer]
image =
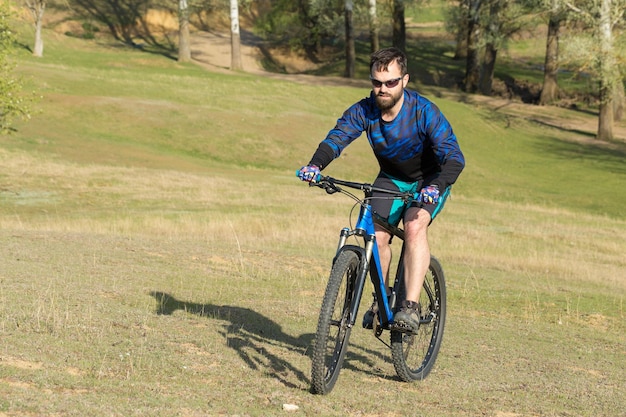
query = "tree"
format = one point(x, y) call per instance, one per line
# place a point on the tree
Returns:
point(235, 38)
point(373, 26)
point(12, 103)
point(489, 24)
point(304, 25)
point(184, 44)
point(600, 55)
point(494, 38)
point(350, 48)
point(607, 70)
point(619, 101)
point(399, 25)
point(37, 9)
point(500, 20)
point(456, 23)
point(472, 63)
point(550, 89)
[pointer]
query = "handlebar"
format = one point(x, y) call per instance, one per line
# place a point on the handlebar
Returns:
point(331, 186)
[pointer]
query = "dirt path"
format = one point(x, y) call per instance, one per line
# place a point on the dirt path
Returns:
point(212, 51)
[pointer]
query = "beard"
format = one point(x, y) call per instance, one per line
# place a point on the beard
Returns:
point(386, 101)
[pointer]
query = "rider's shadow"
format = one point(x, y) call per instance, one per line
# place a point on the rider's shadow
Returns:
point(249, 333)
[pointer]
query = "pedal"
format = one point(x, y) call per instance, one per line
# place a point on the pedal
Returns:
point(402, 327)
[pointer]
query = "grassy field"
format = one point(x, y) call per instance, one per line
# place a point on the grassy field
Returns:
point(159, 257)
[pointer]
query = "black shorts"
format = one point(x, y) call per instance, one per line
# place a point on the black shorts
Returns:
point(393, 209)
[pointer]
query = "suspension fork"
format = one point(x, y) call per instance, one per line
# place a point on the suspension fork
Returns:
point(365, 256)
point(364, 268)
point(343, 237)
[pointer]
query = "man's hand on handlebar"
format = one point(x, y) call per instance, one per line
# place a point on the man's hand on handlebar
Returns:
point(429, 195)
point(309, 173)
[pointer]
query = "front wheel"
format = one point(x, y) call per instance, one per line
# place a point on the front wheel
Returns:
point(333, 327)
point(414, 354)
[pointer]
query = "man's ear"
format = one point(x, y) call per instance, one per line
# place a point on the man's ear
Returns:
point(405, 80)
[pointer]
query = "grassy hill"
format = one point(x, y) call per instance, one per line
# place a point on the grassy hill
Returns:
point(161, 258)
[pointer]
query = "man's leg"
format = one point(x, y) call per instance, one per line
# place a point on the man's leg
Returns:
point(417, 251)
point(416, 262)
point(384, 251)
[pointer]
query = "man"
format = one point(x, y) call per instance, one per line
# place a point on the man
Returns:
point(416, 150)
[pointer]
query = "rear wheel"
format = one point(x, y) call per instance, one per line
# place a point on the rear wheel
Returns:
point(333, 327)
point(414, 354)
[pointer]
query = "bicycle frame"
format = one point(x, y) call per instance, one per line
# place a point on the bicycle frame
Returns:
point(365, 229)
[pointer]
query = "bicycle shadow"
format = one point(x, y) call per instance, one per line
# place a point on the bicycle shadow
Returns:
point(249, 334)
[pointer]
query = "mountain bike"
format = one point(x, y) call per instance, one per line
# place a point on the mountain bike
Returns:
point(413, 353)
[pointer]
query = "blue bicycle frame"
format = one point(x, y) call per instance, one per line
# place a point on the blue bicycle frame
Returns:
point(364, 228)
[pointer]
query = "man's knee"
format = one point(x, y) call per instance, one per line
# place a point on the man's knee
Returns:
point(417, 219)
point(417, 224)
point(383, 237)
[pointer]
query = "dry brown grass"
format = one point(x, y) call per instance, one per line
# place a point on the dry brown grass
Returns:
point(200, 299)
point(159, 262)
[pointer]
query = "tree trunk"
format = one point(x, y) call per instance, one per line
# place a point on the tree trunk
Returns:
point(235, 38)
point(399, 25)
point(607, 73)
point(550, 90)
point(373, 22)
point(618, 101)
point(184, 45)
point(460, 51)
point(472, 67)
point(495, 38)
point(488, 68)
point(37, 9)
point(350, 49)
point(605, 122)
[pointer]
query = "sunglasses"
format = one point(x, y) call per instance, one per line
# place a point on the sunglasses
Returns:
point(388, 84)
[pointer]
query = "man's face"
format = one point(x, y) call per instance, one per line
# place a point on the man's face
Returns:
point(388, 86)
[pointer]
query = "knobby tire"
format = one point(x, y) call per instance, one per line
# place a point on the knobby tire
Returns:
point(414, 355)
point(333, 327)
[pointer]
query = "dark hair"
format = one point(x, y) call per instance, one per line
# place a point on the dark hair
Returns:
point(381, 59)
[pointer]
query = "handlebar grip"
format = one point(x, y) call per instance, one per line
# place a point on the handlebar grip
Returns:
point(317, 178)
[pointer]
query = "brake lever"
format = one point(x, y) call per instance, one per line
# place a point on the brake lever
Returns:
point(408, 197)
point(331, 188)
point(328, 186)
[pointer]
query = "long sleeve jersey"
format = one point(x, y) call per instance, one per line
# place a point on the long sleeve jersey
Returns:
point(419, 143)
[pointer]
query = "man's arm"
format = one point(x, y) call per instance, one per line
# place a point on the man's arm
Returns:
point(445, 145)
point(349, 127)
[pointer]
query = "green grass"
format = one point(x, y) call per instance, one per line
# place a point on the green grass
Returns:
point(161, 258)
point(426, 11)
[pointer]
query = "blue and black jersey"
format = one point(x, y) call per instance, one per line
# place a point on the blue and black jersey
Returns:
point(419, 143)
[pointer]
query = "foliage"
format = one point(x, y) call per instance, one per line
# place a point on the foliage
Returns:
point(424, 11)
point(496, 28)
point(304, 24)
point(582, 48)
point(12, 102)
